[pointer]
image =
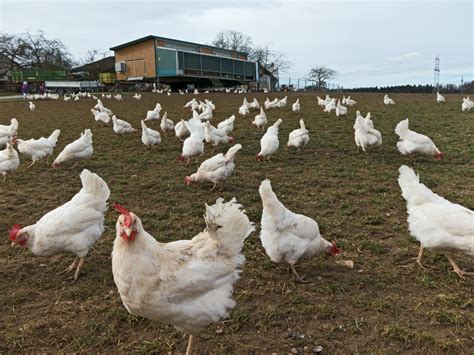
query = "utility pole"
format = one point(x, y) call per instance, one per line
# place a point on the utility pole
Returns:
point(436, 74)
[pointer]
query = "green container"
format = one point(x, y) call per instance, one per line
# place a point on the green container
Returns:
point(38, 75)
point(107, 78)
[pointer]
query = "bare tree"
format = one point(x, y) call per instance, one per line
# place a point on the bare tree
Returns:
point(321, 75)
point(233, 40)
point(94, 55)
point(263, 54)
point(269, 59)
point(34, 51)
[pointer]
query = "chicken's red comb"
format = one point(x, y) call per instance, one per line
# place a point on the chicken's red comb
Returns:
point(336, 250)
point(124, 212)
point(12, 233)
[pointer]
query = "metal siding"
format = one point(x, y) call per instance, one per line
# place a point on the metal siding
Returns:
point(166, 62)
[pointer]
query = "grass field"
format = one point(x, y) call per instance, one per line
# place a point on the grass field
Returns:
point(383, 305)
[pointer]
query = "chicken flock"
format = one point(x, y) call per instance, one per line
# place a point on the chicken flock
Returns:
point(189, 283)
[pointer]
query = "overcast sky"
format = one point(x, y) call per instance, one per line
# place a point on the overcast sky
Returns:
point(367, 42)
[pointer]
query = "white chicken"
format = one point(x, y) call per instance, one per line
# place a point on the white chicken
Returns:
point(412, 143)
point(78, 150)
point(254, 105)
point(436, 222)
point(99, 106)
point(287, 236)
point(206, 115)
point(187, 283)
point(467, 104)
point(296, 106)
point(215, 136)
point(388, 101)
point(190, 103)
point(227, 126)
point(32, 106)
point(216, 169)
point(330, 106)
point(73, 227)
point(340, 110)
point(150, 137)
point(260, 120)
point(101, 116)
point(321, 102)
point(282, 102)
point(9, 159)
point(243, 110)
point(38, 148)
point(271, 104)
point(121, 126)
point(365, 135)
point(180, 130)
point(166, 124)
point(193, 146)
point(298, 138)
point(269, 143)
point(154, 114)
point(440, 98)
point(137, 96)
point(7, 133)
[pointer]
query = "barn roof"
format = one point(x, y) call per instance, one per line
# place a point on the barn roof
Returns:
point(104, 64)
point(146, 38)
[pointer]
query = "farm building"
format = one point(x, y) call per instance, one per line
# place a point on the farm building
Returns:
point(180, 63)
point(98, 70)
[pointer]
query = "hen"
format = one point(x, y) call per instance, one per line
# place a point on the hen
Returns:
point(121, 126)
point(440, 98)
point(298, 138)
point(38, 148)
point(215, 136)
point(187, 283)
point(80, 149)
point(8, 132)
point(193, 146)
point(365, 135)
point(260, 119)
point(73, 227)
point(388, 101)
point(269, 143)
point(9, 160)
point(101, 116)
point(216, 169)
point(288, 237)
point(227, 126)
point(154, 114)
point(296, 106)
point(150, 137)
point(415, 143)
point(435, 222)
point(166, 124)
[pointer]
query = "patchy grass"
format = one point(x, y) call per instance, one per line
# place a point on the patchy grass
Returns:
point(383, 305)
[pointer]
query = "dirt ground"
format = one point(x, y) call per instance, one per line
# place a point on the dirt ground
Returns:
point(383, 305)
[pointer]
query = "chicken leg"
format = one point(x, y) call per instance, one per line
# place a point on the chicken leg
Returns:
point(32, 163)
point(418, 258)
point(296, 275)
point(78, 269)
point(70, 267)
point(189, 350)
point(461, 273)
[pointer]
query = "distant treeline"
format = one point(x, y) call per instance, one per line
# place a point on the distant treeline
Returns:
point(466, 88)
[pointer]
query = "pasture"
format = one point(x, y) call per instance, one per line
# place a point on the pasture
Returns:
point(385, 304)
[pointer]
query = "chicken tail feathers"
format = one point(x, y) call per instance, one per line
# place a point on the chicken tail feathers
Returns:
point(230, 155)
point(94, 185)
point(414, 192)
point(228, 224)
point(53, 138)
point(402, 128)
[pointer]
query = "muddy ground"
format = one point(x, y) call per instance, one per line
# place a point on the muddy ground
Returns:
point(383, 305)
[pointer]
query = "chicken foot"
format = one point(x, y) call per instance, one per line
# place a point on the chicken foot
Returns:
point(70, 267)
point(296, 275)
point(461, 273)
